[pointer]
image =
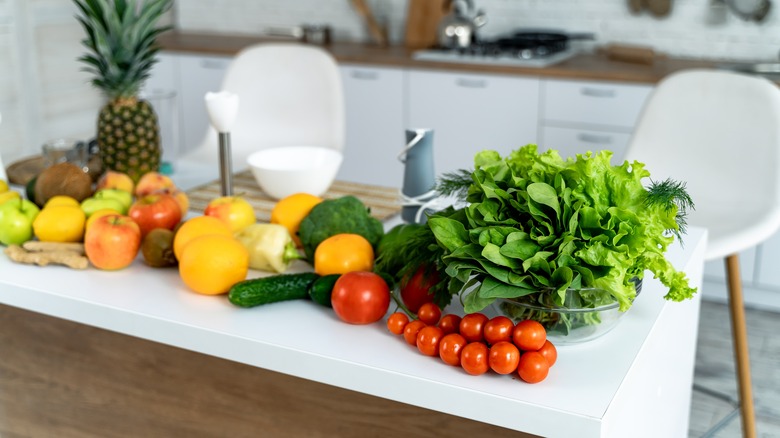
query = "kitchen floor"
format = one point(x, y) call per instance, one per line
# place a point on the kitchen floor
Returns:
point(715, 371)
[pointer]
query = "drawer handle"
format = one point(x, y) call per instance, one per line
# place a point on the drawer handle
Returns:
point(594, 139)
point(597, 92)
point(212, 64)
point(364, 75)
point(471, 83)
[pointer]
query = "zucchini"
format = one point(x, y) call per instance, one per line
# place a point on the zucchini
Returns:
point(320, 290)
point(258, 291)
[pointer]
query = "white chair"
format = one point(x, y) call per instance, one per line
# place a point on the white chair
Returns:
point(290, 94)
point(719, 132)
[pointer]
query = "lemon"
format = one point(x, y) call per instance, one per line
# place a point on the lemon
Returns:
point(60, 223)
point(3, 186)
point(62, 200)
point(7, 196)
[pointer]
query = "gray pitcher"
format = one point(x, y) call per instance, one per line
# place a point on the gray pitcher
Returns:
point(419, 174)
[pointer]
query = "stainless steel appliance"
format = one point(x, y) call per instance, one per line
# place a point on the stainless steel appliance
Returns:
point(522, 48)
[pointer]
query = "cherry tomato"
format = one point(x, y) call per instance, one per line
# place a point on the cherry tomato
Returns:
point(396, 323)
point(471, 326)
point(450, 348)
point(498, 329)
point(529, 335)
point(415, 292)
point(360, 297)
point(474, 358)
point(449, 323)
point(549, 352)
point(428, 339)
point(503, 357)
point(411, 330)
point(533, 367)
point(429, 313)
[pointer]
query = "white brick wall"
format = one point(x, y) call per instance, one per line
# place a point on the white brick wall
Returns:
point(685, 32)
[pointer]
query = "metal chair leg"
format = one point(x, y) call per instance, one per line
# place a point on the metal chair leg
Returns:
point(741, 355)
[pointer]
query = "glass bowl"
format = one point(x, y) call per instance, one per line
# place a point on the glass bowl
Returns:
point(570, 323)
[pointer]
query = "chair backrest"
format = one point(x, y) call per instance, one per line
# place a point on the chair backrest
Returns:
point(290, 94)
point(719, 132)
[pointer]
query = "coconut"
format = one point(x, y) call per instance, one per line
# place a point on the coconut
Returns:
point(62, 179)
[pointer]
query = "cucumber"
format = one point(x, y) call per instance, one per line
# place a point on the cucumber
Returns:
point(258, 291)
point(320, 290)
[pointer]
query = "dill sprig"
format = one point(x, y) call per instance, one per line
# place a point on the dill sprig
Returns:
point(454, 183)
point(670, 194)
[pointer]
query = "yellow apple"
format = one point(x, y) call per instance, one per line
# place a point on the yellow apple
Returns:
point(235, 211)
point(112, 179)
point(7, 196)
point(152, 182)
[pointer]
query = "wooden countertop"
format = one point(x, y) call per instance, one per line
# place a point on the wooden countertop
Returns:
point(584, 67)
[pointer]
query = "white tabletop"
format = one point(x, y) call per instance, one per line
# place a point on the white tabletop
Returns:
point(305, 340)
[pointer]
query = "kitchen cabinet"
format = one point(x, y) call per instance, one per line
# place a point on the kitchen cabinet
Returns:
point(197, 75)
point(374, 100)
point(472, 112)
point(581, 116)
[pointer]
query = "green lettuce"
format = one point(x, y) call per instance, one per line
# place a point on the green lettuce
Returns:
point(536, 223)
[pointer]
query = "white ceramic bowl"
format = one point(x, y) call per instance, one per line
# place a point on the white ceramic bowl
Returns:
point(283, 171)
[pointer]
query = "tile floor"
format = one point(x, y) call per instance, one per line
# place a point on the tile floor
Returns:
point(715, 371)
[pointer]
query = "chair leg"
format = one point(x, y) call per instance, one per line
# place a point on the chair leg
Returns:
point(741, 355)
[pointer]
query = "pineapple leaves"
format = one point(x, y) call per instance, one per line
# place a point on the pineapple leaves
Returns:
point(121, 36)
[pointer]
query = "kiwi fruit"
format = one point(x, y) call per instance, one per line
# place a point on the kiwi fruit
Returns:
point(62, 179)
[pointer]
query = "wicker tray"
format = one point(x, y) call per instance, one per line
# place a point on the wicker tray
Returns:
point(383, 202)
point(22, 171)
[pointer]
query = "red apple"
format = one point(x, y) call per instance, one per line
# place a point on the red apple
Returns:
point(158, 210)
point(112, 242)
point(235, 211)
point(180, 196)
point(151, 182)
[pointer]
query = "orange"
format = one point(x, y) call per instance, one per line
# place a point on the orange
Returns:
point(212, 263)
point(196, 227)
point(342, 253)
point(290, 211)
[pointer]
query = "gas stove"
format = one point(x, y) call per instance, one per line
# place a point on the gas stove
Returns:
point(521, 49)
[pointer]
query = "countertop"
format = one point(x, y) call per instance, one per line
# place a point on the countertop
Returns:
point(594, 66)
point(617, 385)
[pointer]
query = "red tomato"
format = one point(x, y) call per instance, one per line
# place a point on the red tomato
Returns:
point(471, 326)
point(429, 313)
point(411, 330)
point(414, 292)
point(498, 329)
point(503, 357)
point(529, 335)
point(360, 297)
point(549, 352)
point(449, 323)
point(450, 348)
point(533, 367)
point(396, 323)
point(428, 339)
point(158, 210)
point(474, 358)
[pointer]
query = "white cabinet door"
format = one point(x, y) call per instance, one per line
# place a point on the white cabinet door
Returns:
point(374, 99)
point(594, 103)
point(470, 113)
point(197, 75)
point(571, 141)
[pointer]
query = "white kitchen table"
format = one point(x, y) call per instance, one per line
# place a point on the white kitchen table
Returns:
point(634, 381)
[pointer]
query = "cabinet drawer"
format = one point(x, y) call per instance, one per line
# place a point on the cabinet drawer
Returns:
point(570, 141)
point(593, 103)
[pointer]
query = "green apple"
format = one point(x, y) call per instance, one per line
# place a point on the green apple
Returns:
point(16, 218)
point(123, 196)
point(93, 204)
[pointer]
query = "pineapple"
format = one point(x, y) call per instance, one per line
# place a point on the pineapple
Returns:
point(121, 38)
